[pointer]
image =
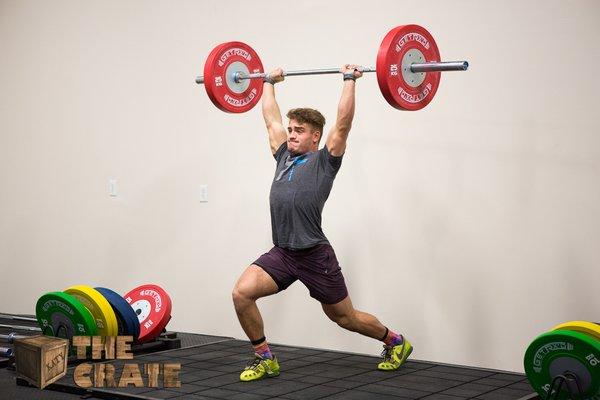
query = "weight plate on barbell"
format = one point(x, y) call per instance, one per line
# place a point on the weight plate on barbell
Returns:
point(60, 314)
point(559, 352)
point(586, 327)
point(152, 305)
point(127, 320)
point(222, 63)
point(401, 47)
point(105, 318)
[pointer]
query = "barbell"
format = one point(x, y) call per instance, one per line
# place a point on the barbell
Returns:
point(10, 338)
point(21, 327)
point(408, 71)
point(17, 317)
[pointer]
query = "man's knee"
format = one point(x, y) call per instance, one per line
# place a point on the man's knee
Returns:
point(251, 286)
point(236, 295)
point(244, 292)
point(239, 295)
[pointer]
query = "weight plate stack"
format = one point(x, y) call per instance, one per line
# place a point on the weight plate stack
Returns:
point(589, 328)
point(569, 353)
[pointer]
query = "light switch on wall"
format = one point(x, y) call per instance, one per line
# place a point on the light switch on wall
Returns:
point(203, 193)
point(112, 187)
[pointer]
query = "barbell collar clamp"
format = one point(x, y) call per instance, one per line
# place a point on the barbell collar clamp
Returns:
point(11, 337)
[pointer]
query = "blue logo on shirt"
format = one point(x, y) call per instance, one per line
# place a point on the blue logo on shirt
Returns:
point(299, 161)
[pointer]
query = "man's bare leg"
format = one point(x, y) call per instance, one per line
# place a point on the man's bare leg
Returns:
point(396, 349)
point(253, 284)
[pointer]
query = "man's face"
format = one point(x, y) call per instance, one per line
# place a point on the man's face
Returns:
point(301, 138)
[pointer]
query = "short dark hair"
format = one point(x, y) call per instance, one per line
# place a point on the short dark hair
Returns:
point(308, 116)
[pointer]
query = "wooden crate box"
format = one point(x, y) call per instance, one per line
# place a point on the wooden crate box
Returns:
point(41, 360)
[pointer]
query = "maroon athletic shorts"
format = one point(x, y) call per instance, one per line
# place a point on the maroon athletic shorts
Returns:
point(316, 267)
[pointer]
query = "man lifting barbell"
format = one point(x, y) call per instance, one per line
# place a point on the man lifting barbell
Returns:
point(303, 180)
point(408, 74)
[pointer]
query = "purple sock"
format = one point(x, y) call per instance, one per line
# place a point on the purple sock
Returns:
point(393, 339)
point(263, 350)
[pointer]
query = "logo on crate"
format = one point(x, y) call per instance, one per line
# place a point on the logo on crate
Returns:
point(106, 374)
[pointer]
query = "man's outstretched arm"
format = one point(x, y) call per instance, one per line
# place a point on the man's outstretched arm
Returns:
point(338, 135)
point(271, 112)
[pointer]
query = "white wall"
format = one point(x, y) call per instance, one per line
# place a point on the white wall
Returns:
point(471, 226)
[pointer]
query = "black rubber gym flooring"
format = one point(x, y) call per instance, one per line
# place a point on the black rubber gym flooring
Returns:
point(211, 371)
point(210, 367)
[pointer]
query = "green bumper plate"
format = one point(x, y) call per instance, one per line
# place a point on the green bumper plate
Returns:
point(564, 352)
point(62, 315)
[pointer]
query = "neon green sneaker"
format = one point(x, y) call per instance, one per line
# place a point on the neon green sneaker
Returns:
point(259, 368)
point(395, 356)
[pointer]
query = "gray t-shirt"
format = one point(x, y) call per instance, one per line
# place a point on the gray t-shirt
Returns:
point(300, 188)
